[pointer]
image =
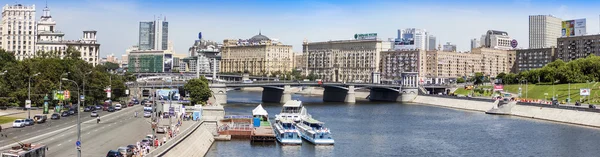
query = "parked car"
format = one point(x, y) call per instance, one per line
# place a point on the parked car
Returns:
point(147, 114)
point(161, 129)
point(65, 114)
point(131, 103)
point(147, 142)
point(98, 107)
point(94, 114)
point(123, 105)
point(19, 123)
point(55, 116)
point(105, 108)
point(87, 109)
point(118, 107)
point(29, 122)
point(40, 118)
point(125, 151)
point(114, 153)
point(111, 109)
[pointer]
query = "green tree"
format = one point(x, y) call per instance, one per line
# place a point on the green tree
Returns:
point(111, 66)
point(478, 78)
point(198, 89)
point(460, 80)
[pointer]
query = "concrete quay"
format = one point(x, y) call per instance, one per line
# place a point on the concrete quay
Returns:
point(549, 113)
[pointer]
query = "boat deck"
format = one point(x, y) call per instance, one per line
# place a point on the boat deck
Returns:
point(238, 127)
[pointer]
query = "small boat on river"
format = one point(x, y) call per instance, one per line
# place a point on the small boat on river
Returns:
point(313, 131)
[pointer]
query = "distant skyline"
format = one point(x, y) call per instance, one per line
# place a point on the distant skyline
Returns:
point(117, 21)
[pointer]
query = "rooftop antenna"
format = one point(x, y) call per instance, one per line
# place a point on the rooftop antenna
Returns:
point(46, 3)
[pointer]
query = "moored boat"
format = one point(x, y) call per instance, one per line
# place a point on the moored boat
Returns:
point(313, 131)
point(286, 132)
point(293, 110)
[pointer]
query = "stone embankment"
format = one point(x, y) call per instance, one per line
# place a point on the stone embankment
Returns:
point(576, 116)
point(310, 91)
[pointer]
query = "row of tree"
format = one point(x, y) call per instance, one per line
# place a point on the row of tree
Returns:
point(576, 71)
point(14, 81)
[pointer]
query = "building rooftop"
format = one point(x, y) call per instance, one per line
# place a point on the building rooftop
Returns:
point(258, 38)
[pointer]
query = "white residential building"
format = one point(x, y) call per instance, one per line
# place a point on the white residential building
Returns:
point(17, 33)
point(496, 40)
point(543, 31)
point(475, 43)
point(51, 40)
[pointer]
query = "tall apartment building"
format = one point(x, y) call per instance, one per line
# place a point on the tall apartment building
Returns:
point(344, 60)
point(17, 33)
point(475, 43)
point(299, 61)
point(154, 35)
point(572, 48)
point(411, 39)
point(394, 63)
point(432, 41)
point(204, 45)
point(528, 59)
point(449, 47)
point(258, 55)
point(50, 40)
point(204, 54)
point(496, 40)
point(488, 61)
point(543, 31)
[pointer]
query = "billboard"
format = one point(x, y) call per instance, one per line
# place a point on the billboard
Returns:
point(368, 36)
point(572, 28)
point(498, 87)
point(584, 91)
point(404, 44)
point(168, 63)
point(163, 94)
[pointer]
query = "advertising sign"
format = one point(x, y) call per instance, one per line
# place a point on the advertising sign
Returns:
point(498, 87)
point(45, 107)
point(585, 91)
point(368, 36)
point(514, 43)
point(404, 44)
point(163, 94)
point(571, 28)
point(66, 95)
point(27, 103)
point(168, 62)
point(127, 92)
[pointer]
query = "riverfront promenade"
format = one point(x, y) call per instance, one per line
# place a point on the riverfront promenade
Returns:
point(578, 116)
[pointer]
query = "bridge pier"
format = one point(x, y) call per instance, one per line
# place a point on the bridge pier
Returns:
point(277, 94)
point(219, 92)
point(339, 94)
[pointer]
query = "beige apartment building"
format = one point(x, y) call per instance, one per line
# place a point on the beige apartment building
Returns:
point(393, 63)
point(258, 55)
point(490, 62)
point(344, 60)
point(299, 61)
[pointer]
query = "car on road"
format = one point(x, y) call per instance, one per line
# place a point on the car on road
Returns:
point(150, 136)
point(105, 108)
point(29, 122)
point(19, 123)
point(130, 103)
point(131, 146)
point(146, 141)
point(87, 109)
point(118, 107)
point(98, 107)
point(111, 109)
point(55, 116)
point(40, 118)
point(65, 114)
point(161, 129)
point(94, 114)
point(147, 114)
point(114, 153)
point(125, 151)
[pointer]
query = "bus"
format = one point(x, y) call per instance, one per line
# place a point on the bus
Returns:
point(26, 150)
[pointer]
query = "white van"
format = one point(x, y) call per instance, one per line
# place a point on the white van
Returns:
point(118, 107)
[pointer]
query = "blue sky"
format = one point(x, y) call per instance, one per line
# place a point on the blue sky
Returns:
point(293, 21)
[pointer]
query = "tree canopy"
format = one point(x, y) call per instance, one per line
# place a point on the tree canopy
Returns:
point(198, 90)
point(14, 84)
point(576, 71)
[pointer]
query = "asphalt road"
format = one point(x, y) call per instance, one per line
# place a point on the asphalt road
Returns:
point(116, 129)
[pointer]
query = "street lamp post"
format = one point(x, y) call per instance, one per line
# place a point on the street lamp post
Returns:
point(78, 116)
point(29, 95)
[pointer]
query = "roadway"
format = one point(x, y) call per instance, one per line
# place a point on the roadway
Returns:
point(115, 130)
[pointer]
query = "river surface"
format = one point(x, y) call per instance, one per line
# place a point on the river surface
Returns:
point(394, 129)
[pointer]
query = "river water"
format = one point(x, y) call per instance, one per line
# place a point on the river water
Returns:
point(394, 129)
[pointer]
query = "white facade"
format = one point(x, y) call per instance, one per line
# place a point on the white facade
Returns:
point(475, 43)
point(496, 40)
point(543, 31)
point(51, 40)
point(17, 33)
